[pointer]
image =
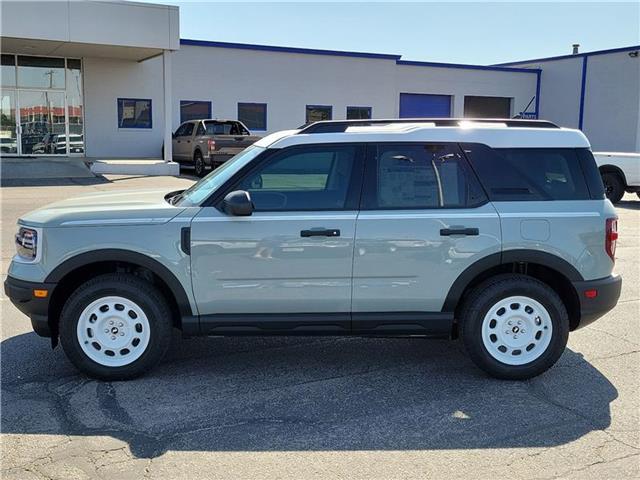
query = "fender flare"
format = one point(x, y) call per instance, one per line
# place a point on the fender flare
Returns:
point(546, 259)
point(121, 255)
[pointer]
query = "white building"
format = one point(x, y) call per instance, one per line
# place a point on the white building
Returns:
point(114, 79)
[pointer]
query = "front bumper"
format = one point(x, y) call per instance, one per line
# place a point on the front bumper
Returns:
point(608, 292)
point(20, 292)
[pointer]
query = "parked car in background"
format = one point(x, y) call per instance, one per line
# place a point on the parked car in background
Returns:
point(497, 233)
point(620, 173)
point(8, 145)
point(207, 144)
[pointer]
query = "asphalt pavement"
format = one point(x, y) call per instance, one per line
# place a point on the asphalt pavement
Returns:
point(322, 407)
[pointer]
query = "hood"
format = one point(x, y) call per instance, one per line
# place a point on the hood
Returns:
point(112, 208)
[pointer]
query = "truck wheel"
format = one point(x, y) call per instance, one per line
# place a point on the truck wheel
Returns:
point(115, 327)
point(514, 327)
point(613, 186)
point(198, 164)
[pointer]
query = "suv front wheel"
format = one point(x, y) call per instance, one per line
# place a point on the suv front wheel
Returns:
point(514, 327)
point(115, 326)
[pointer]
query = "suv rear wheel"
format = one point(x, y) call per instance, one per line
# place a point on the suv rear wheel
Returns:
point(115, 326)
point(514, 327)
point(613, 186)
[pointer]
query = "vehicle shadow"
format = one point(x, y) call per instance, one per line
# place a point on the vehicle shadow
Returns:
point(313, 393)
point(629, 204)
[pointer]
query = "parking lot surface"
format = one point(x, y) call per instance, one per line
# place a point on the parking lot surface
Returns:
point(320, 407)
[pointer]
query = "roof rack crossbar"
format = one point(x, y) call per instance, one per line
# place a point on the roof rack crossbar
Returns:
point(338, 126)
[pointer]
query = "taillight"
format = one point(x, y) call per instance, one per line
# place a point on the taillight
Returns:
point(212, 145)
point(611, 237)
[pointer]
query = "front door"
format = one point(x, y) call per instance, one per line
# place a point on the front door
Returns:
point(424, 219)
point(43, 126)
point(288, 266)
point(182, 142)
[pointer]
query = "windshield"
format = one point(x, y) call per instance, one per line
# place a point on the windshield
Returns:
point(205, 187)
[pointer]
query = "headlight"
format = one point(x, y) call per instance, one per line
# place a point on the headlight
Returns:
point(27, 243)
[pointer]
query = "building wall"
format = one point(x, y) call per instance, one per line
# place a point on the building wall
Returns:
point(612, 102)
point(520, 86)
point(106, 80)
point(611, 115)
point(286, 82)
point(560, 90)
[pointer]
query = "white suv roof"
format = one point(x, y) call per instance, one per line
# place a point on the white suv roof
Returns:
point(497, 134)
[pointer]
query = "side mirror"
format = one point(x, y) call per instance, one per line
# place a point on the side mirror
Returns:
point(173, 135)
point(238, 203)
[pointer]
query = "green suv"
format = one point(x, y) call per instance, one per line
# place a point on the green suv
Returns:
point(495, 232)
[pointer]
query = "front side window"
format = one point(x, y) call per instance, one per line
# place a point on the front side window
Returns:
point(303, 178)
point(517, 174)
point(134, 113)
point(358, 113)
point(253, 115)
point(194, 110)
point(183, 129)
point(317, 113)
point(419, 176)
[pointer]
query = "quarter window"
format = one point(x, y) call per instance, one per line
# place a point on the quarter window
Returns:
point(303, 178)
point(134, 113)
point(317, 113)
point(253, 115)
point(418, 176)
point(510, 174)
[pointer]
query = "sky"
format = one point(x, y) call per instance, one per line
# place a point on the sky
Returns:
point(456, 32)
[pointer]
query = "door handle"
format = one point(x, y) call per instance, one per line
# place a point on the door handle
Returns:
point(446, 232)
point(320, 232)
point(238, 139)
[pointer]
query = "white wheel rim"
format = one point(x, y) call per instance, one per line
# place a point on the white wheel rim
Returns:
point(113, 331)
point(517, 330)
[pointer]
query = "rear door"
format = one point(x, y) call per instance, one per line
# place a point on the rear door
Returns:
point(424, 219)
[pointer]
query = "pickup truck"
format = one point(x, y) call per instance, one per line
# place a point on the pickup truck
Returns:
point(620, 173)
point(207, 144)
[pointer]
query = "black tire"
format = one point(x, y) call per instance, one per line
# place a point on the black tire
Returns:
point(613, 186)
point(130, 287)
point(198, 164)
point(483, 297)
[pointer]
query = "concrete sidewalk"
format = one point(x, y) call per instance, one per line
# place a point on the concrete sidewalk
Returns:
point(21, 168)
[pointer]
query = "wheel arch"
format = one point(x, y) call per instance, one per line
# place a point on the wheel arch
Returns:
point(546, 267)
point(74, 271)
point(608, 168)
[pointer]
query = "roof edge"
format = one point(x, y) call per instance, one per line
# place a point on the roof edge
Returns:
point(577, 55)
point(272, 48)
point(467, 66)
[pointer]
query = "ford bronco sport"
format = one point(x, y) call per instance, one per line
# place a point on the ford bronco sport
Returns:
point(497, 232)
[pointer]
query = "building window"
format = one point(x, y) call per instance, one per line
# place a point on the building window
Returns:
point(358, 113)
point(40, 72)
point(8, 72)
point(134, 113)
point(487, 107)
point(316, 113)
point(253, 115)
point(194, 110)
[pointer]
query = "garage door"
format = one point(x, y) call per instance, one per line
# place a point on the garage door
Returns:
point(420, 105)
point(487, 107)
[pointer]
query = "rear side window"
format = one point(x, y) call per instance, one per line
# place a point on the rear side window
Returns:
point(517, 174)
point(420, 176)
